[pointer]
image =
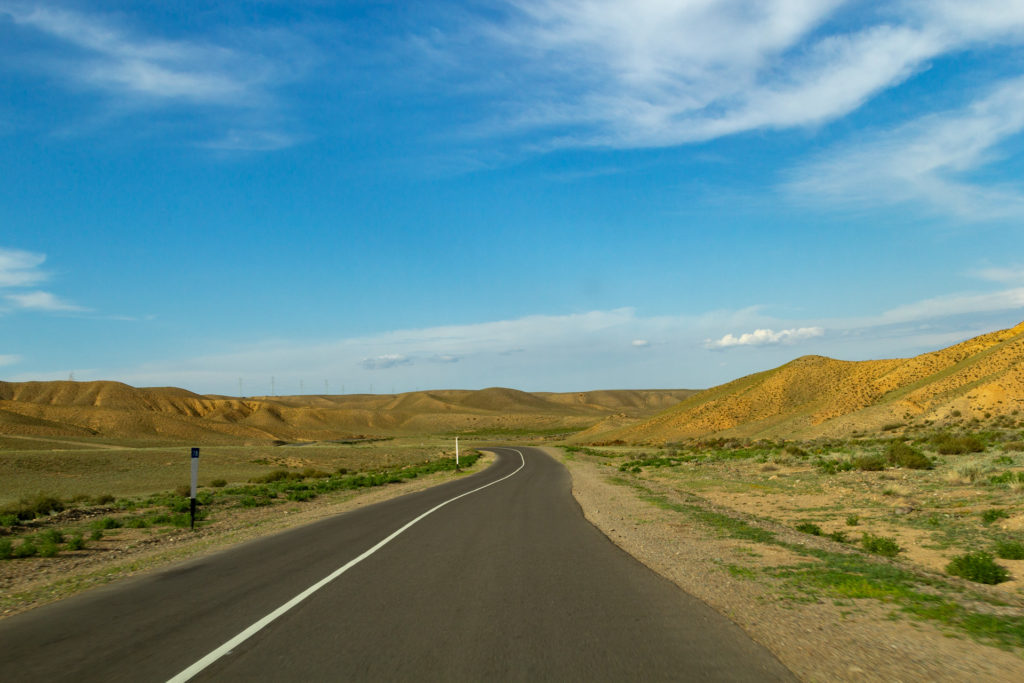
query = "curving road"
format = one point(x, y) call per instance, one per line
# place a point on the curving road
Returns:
point(499, 577)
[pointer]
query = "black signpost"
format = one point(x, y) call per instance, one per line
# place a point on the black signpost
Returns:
point(195, 479)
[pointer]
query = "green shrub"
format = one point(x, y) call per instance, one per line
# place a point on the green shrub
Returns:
point(54, 536)
point(8, 520)
point(103, 499)
point(852, 520)
point(26, 548)
point(809, 528)
point(880, 545)
point(902, 454)
point(219, 483)
point(301, 496)
point(183, 491)
point(313, 473)
point(1010, 550)
point(793, 449)
point(136, 523)
point(76, 542)
point(47, 549)
point(106, 523)
point(871, 462)
point(838, 536)
point(949, 444)
point(978, 567)
point(992, 514)
point(37, 506)
point(6, 549)
point(96, 534)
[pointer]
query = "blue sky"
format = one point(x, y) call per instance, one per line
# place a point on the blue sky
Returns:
point(552, 196)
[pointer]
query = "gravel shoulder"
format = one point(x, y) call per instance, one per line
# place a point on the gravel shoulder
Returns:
point(818, 637)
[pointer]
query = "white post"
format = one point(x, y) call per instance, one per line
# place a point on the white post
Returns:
point(456, 452)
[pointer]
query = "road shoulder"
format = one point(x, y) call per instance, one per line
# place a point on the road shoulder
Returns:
point(817, 639)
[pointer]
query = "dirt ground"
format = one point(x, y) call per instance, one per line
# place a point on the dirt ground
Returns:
point(818, 637)
point(29, 582)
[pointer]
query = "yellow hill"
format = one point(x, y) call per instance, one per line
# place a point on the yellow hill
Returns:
point(117, 411)
point(814, 396)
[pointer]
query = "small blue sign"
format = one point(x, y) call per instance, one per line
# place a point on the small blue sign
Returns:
point(195, 452)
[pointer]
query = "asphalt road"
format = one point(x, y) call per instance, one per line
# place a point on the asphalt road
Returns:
point(509, 582)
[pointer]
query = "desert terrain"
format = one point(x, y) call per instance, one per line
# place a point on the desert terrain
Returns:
point(861, 519)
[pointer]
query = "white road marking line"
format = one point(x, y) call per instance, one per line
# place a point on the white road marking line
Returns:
point(227, 647)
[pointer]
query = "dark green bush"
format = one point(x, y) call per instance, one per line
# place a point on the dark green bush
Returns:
point(6, 549)
point(880, 545)
point(809, 528)
point(76, 542)
point(978, 567)
point(852, 520)
point(949, 444)
point(902, 454)
point(1010, 550)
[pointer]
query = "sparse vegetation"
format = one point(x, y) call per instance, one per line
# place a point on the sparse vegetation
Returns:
point(978, 567)
point(880, 545)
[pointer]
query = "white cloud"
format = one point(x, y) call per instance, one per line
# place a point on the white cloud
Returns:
point(1013, 275)
point(640, 343)
point(9, 359)
point(762, 337)
point(655, 73)
point(115, 59)
point(929, 160)
point(41, 301)
point(20, 268)
point(388, 360)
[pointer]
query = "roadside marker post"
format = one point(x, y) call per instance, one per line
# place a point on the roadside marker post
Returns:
point(456, 454)
point(195, 479)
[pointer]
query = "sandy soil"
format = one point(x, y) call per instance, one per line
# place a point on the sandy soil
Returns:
point(818, 640)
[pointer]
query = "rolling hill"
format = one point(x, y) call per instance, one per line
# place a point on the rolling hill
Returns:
point(981, 378)
point(117, 411)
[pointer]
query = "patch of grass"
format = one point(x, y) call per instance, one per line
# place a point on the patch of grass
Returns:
point(76, 542)
point(809, 528)
point(6, 549)
point(28, 508)
point(106, 523)
point(740, 572)
point(219, 483)
point(838, 536)
point(852, 520)
point(880, 545)
point(978, 567)
point(1009, 550)
point(993, 514)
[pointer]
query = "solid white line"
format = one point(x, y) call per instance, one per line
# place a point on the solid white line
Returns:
point(259, 625)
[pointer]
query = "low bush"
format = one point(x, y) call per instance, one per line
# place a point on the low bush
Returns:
point(1010, 550)
point(6, 549)
point(978, 567)
point(880, 545)
point(809, 528)
point(106, 523)
point(870, 462)
point(902, 454)
point(992, 514)
point(219, 483)
point(103, 499)
point(852, 520)
point(76, 542)
point(950, 444)
point(30, 508)
point(838, 536)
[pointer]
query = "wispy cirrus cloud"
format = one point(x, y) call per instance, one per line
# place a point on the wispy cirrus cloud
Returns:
point(41, 301)
point(931, 160)
point(651, 73)
point(212, 74)
point(21, 269)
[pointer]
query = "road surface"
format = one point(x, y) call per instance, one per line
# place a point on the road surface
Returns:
point(503, 582)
